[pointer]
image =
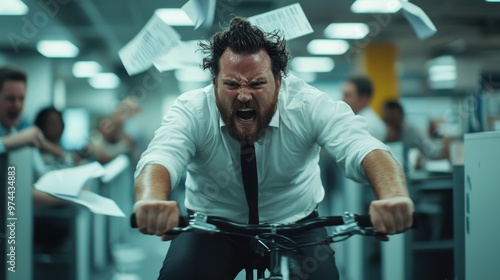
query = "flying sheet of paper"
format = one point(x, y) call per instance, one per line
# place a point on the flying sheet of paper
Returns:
point(68, 181)
point(291, 20)
point(183, 55)
point(154, 40)
point(96, 203)
point(201, 12)
point(420, 22)
point(115, 167)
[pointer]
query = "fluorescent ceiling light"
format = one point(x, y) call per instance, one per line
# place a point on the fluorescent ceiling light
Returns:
point(437, 69)
point(346, 30)
point(442, 72)
point(444, 76)
point(492, 0)
point(312, 64)
point(326, 46)
point(104, 81)
point(13, 8)
point(376, 6)
point(192, 74)
point(174, 17)
point(86, 69)
point(57, 48)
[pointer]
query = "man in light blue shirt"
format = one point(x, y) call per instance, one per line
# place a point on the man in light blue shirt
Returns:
point(12, 95)
point(252, 102)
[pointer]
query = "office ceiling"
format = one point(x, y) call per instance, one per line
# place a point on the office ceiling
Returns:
point(100, 28)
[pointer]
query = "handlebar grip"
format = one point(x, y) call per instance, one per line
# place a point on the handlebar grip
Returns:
point(365, 221)
point(183, 221)
point(133, 221)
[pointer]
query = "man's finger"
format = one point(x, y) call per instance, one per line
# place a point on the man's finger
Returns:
point(384, 238)
point(167, 237)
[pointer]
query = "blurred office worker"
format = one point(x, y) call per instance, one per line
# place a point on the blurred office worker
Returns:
point(12, 94)
point(357, 91)
point(110, 139)
point(51, 155)
point(409, 135)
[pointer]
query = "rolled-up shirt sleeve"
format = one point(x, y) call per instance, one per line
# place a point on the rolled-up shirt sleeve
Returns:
point(174, 143)
point(343, 135)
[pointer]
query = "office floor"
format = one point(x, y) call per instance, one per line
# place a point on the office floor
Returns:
point(139, 259)
point(142, 256)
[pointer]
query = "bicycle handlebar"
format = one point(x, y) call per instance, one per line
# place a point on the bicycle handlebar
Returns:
point(296, 228)
point(251, 229)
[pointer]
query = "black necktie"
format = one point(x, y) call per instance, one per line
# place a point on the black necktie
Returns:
point(249, 175)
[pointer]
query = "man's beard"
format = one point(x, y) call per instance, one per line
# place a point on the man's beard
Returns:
point(263, 118)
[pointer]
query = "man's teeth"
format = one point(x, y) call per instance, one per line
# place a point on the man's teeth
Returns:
point(246, 114)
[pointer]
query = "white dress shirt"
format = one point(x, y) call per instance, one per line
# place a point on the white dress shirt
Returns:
point(193, 136)
point(376, 126)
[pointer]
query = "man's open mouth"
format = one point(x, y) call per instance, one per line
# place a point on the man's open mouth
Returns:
point(246, 114)
point(13, 115)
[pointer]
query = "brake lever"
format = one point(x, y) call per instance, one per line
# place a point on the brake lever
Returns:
point(198, 221)
point(178, 230)
point(352, 228)
point(346, 229)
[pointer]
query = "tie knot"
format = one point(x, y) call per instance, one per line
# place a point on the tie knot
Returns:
point(247, 151)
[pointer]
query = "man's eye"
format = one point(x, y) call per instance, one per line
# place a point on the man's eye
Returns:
point(258, 85)
point(231, 85)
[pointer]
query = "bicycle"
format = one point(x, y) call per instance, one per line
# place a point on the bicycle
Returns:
point(270, 239)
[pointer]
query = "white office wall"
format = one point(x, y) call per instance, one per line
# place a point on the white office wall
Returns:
point(148, 120)
point(150, 91)
point(434, 107)
point(333, 89)
point(420, 111)
point(96, 102)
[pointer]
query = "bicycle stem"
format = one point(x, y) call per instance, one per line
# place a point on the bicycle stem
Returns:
point(274, 260)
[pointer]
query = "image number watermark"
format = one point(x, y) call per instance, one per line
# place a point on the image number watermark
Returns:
point(11, 219)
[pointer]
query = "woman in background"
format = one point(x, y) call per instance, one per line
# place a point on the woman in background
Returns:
point(51, 123)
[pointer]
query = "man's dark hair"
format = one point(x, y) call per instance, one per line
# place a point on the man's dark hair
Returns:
point(244, 38)
point(394, 105)
point(11, 74)
point(363, 85)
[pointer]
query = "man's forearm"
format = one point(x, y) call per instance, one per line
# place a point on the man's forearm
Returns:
point(153, 183)
point(385, 175)
point(10, 142)
point(52, 148)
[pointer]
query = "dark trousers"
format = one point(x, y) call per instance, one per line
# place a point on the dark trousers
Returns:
point(195, 256)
